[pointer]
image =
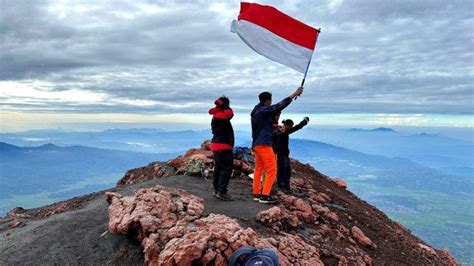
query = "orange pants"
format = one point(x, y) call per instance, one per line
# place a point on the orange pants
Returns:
point(265, 160)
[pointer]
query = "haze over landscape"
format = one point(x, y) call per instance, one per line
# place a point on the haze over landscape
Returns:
point(91, 89)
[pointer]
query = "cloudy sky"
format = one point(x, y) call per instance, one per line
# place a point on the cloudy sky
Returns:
point(142, 61)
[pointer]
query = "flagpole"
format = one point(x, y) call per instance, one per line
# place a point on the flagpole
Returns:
point(309, 62)
point(306, 72)
point(304, 78)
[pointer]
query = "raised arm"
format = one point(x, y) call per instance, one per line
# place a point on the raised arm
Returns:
point(277, 107)
point(283, 103)
point(303, 123)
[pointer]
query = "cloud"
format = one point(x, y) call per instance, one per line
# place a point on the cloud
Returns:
point(177, 56)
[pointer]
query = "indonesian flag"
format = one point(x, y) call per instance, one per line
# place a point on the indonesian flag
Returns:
point(276, 35)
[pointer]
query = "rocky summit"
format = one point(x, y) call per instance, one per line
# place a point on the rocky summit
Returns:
point(157, 215)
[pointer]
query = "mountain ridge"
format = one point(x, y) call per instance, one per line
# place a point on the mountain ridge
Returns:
point(378, 129)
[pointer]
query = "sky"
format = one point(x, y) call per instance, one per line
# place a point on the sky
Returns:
point(398, 62)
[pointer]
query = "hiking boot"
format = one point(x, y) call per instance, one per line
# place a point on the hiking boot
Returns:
point(268, 200)
point(287, 191)
point(224, 196)
point(256, 197)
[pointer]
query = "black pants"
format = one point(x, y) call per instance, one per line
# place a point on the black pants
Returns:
point(223, 165)
point(284, 172)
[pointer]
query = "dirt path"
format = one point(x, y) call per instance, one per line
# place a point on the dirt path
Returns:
point(74, 237)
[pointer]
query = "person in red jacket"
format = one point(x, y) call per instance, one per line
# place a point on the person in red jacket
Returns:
point(222, 145)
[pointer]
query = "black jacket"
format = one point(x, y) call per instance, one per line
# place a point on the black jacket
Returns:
point(281, 139)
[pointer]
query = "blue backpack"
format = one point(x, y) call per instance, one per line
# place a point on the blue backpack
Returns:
point(254, 257)
point(240, 153)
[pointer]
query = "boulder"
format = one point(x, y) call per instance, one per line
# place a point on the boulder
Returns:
point(169, 225)
point(297, 251)
point(297, 207)
point(340, 182)
point(15, 223)
point(361, 238)
point(210, 239)
point(18, 212)
point(332, 216)
point(151, 209)
point(318, 197)
point(318, 208)
point(278, 218)
point(427, 249)
point(448, 258)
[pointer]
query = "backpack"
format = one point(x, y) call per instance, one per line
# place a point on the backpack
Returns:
point(254, 257)
point(240, 153)
point(195, 167)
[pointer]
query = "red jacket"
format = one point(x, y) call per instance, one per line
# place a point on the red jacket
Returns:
point(222, 131)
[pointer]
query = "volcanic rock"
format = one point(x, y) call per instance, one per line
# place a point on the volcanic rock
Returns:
point(14, 223)
point(141, 174)
point(429, 250)
point(151, 209)
point(340, 182)
point(181, 162)
point(167, 223)
point(278, 218)
point(297, 251)
point(18, 212)
point(361, 238)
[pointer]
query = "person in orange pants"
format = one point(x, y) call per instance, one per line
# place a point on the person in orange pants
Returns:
point(262, 117)
point(265, 160)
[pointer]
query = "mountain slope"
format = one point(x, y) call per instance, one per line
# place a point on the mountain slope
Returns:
point(434, 205)
point(323, 218)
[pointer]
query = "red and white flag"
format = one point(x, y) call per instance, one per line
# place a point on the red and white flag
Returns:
point(276, 35)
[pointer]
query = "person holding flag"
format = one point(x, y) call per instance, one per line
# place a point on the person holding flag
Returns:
point(262, 118)
point(283, 39)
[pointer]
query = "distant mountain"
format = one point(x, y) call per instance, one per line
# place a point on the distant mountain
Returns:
point(427, 135)
point(8, 147)
point(50, 172)
point(430, 150)
point(374, 169)
point(49, 146)
point(379, 129)
point(379, 170)
point(148, 140)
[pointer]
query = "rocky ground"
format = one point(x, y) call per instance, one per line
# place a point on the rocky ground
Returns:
point(159, 216)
